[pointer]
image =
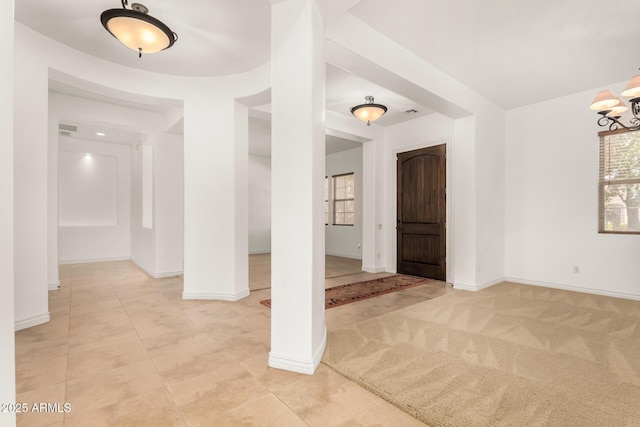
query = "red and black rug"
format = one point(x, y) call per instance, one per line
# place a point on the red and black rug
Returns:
point(344, 294)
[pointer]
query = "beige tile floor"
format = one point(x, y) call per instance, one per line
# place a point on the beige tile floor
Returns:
point(260, 269)
point(125, 349)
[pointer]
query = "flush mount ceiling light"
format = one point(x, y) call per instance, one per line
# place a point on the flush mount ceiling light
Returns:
point(610, 107)
point(137, 30)
point(369, 112)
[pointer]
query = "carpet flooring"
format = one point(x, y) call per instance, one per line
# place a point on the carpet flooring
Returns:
point(510, 355)
point(352, 292)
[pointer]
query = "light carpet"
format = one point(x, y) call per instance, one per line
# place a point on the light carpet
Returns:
point(510, 355)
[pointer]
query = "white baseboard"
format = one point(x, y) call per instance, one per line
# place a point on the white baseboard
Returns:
point(574, 288)
point(464, 287)
point(54, 286)
point(166, 274)
point(85, 261)
point(32, 321)
point(215, 296)
point(142, 266)
point(475, 288)
point(293, 364)
point(155, 274)
point(374, 269)
point(390, 270)
point(359, 257)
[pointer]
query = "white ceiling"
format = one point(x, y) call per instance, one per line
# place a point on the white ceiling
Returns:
point(215, 37)
point(260, 139)
point(516, 52)
point(100, 133)
point(512, 52)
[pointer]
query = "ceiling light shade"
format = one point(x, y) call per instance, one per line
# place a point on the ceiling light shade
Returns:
point(617, 110)
point(137, 30)
point(633, 88)
point(604, 101)
point(368, 112)
point(610, 108)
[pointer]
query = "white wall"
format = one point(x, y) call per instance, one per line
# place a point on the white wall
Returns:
point(340, 240)
point(31, 188)
point(52, 203)
point(7, 340)
point(80, 240)
point(143, 240)
point(373, 181)
point(259, 204)
point(490, 196)
point(169, 204)
point(552, 202)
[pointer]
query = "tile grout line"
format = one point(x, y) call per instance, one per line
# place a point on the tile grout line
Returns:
point(66, 376)
point(153, 363)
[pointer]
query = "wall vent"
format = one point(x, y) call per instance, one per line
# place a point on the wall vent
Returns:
point(65, 133)
point(68, 128)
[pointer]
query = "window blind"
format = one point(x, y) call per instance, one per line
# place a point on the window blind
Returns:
point(619, 183)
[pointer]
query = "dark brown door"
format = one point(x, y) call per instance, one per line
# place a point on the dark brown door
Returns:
point(422, 212)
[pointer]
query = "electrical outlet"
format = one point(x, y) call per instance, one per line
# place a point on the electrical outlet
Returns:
point(576, 269)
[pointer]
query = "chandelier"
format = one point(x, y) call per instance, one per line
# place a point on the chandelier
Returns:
point(611, 108)
point(368, 112)
point(137, 30)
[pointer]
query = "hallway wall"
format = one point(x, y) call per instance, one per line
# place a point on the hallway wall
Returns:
point(82, 237)
point(259, 204)
point(340, 240)
point(7, 337)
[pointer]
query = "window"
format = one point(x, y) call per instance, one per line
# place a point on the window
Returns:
point(343, 199)
point(326, 200)
point(619, 182)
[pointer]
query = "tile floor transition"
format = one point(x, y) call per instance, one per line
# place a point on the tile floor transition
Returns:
point(125, 349)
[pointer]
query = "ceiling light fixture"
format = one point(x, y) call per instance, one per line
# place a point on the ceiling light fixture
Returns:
point(368, 112)
point(611, 108)
point(137, 30)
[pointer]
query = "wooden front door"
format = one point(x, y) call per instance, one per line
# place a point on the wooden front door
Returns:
point(422, 212)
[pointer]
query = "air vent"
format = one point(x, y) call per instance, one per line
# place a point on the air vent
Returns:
point(68, 128)
point(65, 133)
point(410, 111)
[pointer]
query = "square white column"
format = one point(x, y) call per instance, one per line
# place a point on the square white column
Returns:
point(216, 248)
point(298, 332)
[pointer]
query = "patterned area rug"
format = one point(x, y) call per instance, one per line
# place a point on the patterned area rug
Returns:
point(344, 294)
point(510, 355)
